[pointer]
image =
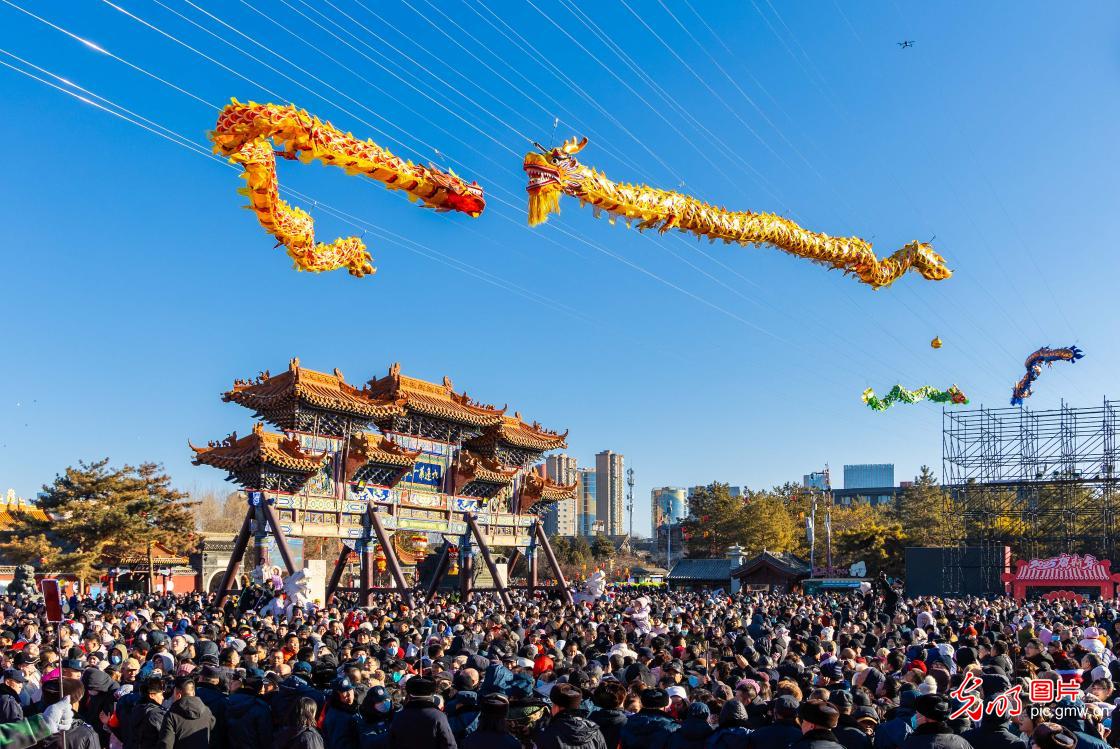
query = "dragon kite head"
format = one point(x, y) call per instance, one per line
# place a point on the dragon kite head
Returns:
point(462, 197)
point(550, 171)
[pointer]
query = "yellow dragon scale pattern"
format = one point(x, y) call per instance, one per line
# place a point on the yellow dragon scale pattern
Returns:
point(245, 132)
point(556, 171)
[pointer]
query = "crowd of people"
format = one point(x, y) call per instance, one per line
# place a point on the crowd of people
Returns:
point(632, 670)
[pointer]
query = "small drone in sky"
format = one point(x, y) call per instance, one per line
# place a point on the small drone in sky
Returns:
point(906, 43)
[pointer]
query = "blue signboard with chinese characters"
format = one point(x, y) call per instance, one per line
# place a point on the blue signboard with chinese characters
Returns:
point(426, 474)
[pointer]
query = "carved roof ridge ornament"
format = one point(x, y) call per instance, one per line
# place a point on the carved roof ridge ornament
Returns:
point(474, 467)
point(275, 397)
point(538, 490)
point(260, 446)
point(365, 448)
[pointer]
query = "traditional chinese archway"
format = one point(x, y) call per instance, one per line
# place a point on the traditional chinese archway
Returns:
point(1062, 572)
point(394, 468)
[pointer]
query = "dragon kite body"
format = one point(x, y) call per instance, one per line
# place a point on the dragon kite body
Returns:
point(899, 394)
point(1034, 364)
point(245, 133)
point(555, 171)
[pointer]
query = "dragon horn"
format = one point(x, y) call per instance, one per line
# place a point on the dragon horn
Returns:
point(572, 147)
point(541, 148)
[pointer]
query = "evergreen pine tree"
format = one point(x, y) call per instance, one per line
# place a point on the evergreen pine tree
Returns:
point(98, 512)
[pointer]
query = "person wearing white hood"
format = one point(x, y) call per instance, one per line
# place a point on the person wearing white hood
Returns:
point(1090, 640)
point(639, 615)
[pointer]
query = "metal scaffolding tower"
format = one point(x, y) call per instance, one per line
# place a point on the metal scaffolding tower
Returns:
point(1041, 482)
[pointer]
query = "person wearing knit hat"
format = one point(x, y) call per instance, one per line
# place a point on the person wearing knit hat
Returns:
point(818, 718)
point(651, 726)
point(569, 729)
point(933, 731)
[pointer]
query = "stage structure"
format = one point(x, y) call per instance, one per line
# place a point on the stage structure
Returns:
point(1044, 483)
point(395, 468)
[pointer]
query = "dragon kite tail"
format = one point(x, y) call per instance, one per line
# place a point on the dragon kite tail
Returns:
point(1034, 362)
point(245, 133)
point(899, 394)
point(554, 172)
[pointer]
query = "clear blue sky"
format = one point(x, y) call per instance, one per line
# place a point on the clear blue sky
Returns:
point(137, 289)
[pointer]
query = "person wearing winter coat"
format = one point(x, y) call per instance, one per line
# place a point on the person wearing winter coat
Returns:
point(24, 734)
point(216, 698)
point(80, 735)
point(732, 732)
point(651, 727)
point(818, 718)
point(11, 711)
point(933, 731)
point(189, 723)
point(340, 716)
point(491, 732)
point(145, 718)
point(608, 715)
point(419, 723)
point(994, 732)
point(569, 727)
point(291, 689)
point(695, 730)
point(848, 731)
point(299, 731)
point(462, 714)
point(497, 679)
point(248, 717)
point(894, 732)
point(783, 731)
point(99, 699)
point(375, 715)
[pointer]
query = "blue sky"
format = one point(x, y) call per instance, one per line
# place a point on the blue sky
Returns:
point(137, 288)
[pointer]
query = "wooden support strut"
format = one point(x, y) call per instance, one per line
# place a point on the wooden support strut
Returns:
point(336, 574)
point(466, 573)
point(543, 538)
point(442, 565)
point(503, 592)
point(235, 558)
point(390, 556)
point(281, 540)
point(531, 558)
point(514, 558)
point(365, 577)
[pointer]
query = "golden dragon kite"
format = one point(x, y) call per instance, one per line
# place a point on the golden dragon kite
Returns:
point(554, 171)
point(245, 133)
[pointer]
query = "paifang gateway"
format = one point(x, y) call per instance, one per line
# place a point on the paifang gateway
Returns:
point(400, 463)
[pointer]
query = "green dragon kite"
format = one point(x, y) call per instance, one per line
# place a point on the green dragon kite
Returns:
point(899, 394)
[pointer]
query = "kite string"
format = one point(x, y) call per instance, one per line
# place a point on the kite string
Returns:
point(643, 270)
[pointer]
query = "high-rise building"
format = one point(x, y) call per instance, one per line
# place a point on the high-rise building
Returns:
point(610, 491)
point(585, 502)
point(560, 518)
point(815, 480)
point(869, 475)
point(668, 504)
